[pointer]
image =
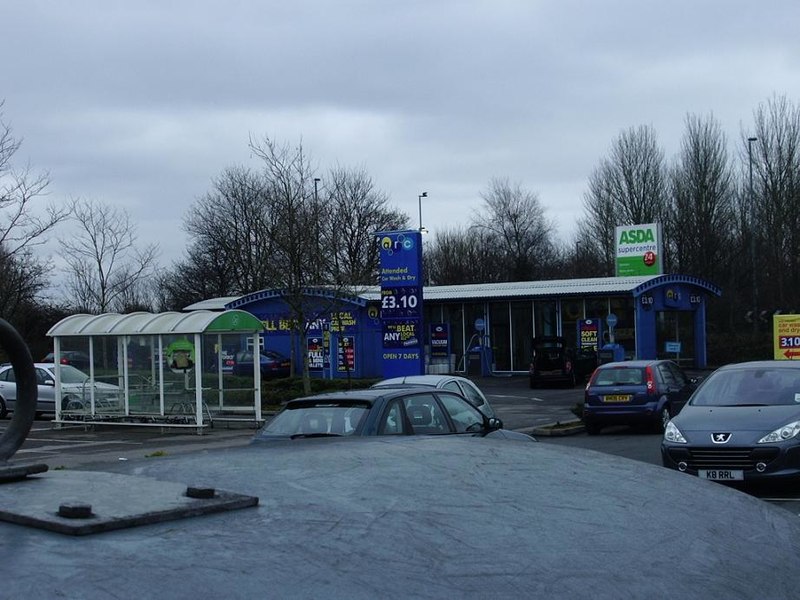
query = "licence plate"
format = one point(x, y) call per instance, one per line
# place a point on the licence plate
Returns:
point(617, 398)
point(720, 474)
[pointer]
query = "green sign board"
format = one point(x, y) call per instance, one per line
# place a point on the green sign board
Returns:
point(639, 249)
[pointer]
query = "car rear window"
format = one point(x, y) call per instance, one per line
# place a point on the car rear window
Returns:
point(317, 417)
point(619, 376)
point(748, 387)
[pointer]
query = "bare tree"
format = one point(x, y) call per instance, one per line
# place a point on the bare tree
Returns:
point(462, 255)
point(700, 221)
point(355, 211)
point(106, 267)
point(776, 201)
point(513, 221)
point(299, 258)
point(232, 229)
point(23, 226)
point(627, 188)
point(201, 274)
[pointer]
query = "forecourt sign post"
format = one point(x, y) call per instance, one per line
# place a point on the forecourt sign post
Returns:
point(401, 302)
point(786, 337)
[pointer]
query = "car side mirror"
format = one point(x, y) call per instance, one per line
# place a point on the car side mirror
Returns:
point(494, 423)
point(49, 382)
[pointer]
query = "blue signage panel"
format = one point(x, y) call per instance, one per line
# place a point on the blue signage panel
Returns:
point(401, 302)
point(440, 340)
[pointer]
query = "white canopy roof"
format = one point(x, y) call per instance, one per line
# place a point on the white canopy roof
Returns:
point(145, 323)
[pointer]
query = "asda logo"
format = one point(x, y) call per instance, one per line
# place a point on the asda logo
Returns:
point(636, 236)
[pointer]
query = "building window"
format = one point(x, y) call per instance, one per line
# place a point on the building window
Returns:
point(546, 317)
point(500, 335)
point(521, 334)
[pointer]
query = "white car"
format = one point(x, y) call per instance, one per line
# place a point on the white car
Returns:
point(460, 385)
point(75, 388)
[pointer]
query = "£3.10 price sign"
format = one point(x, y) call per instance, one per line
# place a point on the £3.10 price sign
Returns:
point(400, 302)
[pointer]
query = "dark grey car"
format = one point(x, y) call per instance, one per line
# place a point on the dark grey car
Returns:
point(383, 412)
point(742, 424)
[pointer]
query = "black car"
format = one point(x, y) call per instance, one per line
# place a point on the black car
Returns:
point(273, 364)
point(636, 391)
point(76, 358)
point(742, 424)
point(553, 360)
point(383, 411)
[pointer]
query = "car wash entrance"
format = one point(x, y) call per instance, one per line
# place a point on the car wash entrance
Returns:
point(675, 336)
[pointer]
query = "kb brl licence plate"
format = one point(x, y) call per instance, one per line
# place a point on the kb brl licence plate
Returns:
point(721, 474)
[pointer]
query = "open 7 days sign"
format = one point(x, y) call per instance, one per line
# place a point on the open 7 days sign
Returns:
point(638, 250)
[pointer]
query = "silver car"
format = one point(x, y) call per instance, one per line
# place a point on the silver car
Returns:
point(460, 385)
point(74, 388)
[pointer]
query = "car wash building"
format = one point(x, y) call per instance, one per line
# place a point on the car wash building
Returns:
point(649, 316)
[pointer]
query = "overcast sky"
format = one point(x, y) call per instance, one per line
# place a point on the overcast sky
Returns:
point(140, 103)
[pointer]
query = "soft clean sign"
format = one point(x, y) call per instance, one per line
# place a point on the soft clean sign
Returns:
point(638, 250)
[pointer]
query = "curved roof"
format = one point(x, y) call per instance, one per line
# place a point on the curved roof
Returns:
point(660, 280)
point(145, 323)
point(322, 292)
point(592, 286)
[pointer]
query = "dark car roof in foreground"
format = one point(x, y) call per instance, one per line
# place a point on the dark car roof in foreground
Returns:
point(762, 364)
point(366, 394)
point(424, 517)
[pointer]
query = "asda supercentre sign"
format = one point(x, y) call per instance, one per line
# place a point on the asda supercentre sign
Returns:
point(639, 249)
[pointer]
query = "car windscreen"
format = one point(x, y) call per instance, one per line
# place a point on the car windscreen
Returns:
point(619, 376)
point(323, 418)
point(750, 387)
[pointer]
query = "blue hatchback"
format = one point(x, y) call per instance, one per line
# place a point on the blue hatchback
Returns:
point(633, 392)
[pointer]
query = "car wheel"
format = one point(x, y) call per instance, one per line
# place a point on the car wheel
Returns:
point(70, 403)
point(663, 418)
point(3, 409)
point(592, 428)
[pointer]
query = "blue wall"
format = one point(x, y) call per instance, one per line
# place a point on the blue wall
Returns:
point(354, 321)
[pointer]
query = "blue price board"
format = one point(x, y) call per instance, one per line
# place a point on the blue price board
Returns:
point(401, 302)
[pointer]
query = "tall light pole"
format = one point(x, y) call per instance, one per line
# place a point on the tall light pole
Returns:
point(316, 181)
point(750, 141)
point(419, 198)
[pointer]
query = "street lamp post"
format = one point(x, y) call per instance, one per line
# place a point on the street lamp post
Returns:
point(419, 198)
point(750, 141)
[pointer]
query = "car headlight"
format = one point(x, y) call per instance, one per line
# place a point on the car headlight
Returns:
point(782, 434)
point(673, 434)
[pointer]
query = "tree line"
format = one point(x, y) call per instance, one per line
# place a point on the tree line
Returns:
point(730, 216)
